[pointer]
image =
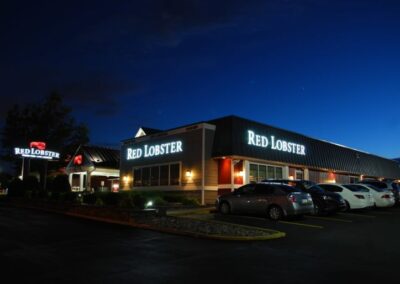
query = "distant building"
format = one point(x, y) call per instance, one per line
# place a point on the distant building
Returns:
point(94, 168)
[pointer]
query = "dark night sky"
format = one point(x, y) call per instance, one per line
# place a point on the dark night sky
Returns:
point(327, 69)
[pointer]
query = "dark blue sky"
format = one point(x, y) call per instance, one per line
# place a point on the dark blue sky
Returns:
point(326, 69)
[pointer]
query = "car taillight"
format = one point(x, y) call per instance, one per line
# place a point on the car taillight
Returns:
point(359, 196)
point(292, 198)
point(386, 196)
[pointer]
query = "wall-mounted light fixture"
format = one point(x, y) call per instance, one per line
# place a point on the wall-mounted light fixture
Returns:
point(189, 174)
point(241, 173)
point(291, 177)
point(125, 179)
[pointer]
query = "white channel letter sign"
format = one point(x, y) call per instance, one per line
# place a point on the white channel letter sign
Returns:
point(154, 150)
point(36, 153)
point(274, 143)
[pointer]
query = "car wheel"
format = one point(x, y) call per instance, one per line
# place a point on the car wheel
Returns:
point(347, 206)
point(225, 208)
point(317, 209)
point(275, 213)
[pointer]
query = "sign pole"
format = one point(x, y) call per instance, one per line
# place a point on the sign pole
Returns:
point(45, 175)
point(22, 168)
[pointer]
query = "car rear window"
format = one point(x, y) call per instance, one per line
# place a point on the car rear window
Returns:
point(308, 184)
point(377, 184)
point(288, 189)
point(316, 188)
point(375, 188)
point(356, 188)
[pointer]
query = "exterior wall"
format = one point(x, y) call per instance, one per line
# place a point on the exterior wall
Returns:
point(190, 158)
point(326, 177)
point(211, 165)
point(197, 142)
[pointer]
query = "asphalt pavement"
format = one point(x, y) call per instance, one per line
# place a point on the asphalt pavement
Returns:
point(38, 247)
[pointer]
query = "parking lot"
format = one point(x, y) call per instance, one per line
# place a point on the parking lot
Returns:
point(41, 248)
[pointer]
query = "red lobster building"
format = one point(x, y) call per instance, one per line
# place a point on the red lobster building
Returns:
point(209, 158)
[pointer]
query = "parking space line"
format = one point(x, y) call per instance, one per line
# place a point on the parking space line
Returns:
point(301, 224)
point(357, 215)
point(283, 222)
point(330, 219)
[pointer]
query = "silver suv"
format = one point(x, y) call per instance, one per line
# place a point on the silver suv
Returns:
point(271, 199)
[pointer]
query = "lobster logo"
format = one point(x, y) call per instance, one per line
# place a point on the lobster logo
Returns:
point(38, 145)
point(78, 160)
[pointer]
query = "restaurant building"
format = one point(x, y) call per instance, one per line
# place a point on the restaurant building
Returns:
point(213, 157)
point(94, 168)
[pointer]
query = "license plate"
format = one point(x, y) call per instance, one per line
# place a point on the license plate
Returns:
point(304, 201)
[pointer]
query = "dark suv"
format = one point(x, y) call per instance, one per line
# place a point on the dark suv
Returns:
point(324, 202)
point(386, 184)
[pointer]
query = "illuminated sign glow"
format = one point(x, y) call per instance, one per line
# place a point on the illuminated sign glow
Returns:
point(275, 144)
point(154, 150)
point(36, 153)
point(38, 145)
point(78, 160)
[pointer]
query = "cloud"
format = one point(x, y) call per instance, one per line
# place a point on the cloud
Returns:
point(89, 91)
point(163, 21)
point(97, 93)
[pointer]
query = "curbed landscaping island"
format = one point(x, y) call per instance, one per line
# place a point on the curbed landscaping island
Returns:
point(150, 219)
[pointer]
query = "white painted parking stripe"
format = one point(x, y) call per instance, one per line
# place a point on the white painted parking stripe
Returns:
point(284, 222)
point(301, 224)
point(330, 219)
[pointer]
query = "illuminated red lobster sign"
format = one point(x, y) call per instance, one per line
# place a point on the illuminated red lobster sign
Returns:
point(37, 150)
point(38, 145)
point(78, 160)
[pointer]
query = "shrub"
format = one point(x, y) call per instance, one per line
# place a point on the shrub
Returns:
point(109, 198)
point(126, 200)
point(158, 201)
point(89, 198)
point(60, 184)
point(190, 201)
point(16, 188)
point(5, 180)
point(99, 202)
point(139, 200)
point(31, 183)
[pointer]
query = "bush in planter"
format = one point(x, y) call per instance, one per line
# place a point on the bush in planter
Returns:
point(158, 201)
point(126, 200)
point(89, 198)
point(110, 198)
point(190, 201)
point(69, 196)
point(139, 200)
point(99, 202)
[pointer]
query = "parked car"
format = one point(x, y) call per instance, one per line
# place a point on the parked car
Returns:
point(390, 185)
point(382, 197)
point(325, 202)
point(271, 199)
point(354, 196)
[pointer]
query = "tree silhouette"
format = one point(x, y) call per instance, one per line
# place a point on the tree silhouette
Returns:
point(50, 121)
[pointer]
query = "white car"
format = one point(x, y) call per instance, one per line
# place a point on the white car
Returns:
point(382, 197)
point(354, 196)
